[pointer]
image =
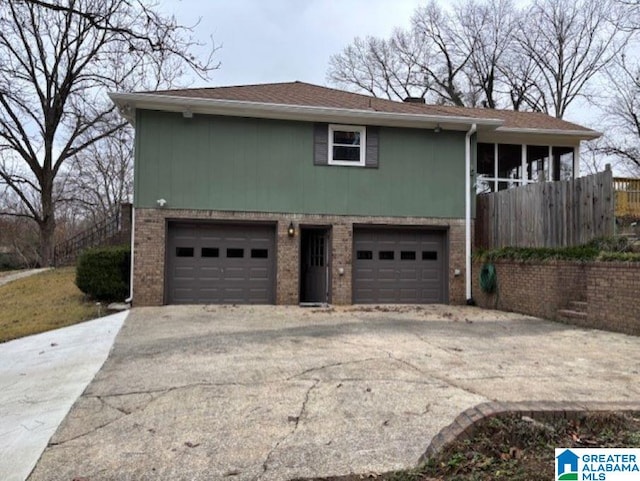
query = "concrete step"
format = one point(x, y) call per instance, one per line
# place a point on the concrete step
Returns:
point(571, 314)
point(580, 306)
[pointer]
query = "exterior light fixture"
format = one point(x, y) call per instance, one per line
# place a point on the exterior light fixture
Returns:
point(291, 231)
point(161, 202)
point(438, 129)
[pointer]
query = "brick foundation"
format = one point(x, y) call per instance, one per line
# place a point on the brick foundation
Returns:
point(540, 289)
point(149, 250)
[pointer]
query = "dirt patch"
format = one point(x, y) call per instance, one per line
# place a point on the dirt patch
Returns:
point(517, 448)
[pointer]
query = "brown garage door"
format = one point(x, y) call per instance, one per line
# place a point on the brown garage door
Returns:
point(220, 264)
point(399, 266)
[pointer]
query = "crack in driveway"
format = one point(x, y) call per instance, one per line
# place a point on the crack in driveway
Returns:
point(276, 404)
point(296, 419)
point(326, 366)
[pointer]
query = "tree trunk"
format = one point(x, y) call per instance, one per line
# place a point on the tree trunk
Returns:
point(47, 225)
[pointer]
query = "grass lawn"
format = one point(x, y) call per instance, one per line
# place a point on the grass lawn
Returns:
point(42, 302)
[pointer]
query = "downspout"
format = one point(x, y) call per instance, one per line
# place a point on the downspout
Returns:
point(467, 213)
point(129, 299)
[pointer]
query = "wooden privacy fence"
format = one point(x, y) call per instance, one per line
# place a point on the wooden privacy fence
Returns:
point(547, 214)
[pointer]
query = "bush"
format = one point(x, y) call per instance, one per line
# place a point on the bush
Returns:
point(619, 256)
point(9, 262)
point(601, 249)
point(611, 244)
point(103, 273)
point(523, 254)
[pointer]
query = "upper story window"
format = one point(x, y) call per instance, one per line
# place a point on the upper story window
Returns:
point(347, 145)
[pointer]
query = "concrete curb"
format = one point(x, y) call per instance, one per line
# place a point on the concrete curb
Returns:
point(464, 426)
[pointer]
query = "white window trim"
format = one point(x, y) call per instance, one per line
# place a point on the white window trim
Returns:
point(362, 130)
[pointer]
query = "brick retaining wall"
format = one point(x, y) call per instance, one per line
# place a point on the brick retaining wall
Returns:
point(611, 290)
point(613, 296)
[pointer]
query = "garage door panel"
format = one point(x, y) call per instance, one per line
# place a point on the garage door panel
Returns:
point(407, 295)
point(399, 265)
point(259, 275)
point(386, 274)
point(220, 263)
point(408, 275)
point(208, 293)
point(428, 272)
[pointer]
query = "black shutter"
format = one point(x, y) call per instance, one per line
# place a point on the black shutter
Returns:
point(321, 144)
point(371, 154)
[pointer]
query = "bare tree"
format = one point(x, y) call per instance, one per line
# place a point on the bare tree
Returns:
point(425, 61)
point(622, 115)
point(447, 54)
point(567, 42)
point(18, 236)
point(57, 59)
point(100, 178)
point(447, 57)
point(541, 57)
point(382, 68)
point(488, 32)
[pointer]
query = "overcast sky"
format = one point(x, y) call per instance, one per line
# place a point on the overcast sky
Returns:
point(285, 40)
point(266, 41)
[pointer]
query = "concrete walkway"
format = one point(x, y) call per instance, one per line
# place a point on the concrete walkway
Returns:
point(273, 393)
point(41, 376)
point(20, 274)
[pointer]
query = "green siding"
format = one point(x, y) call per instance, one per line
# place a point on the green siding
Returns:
point(226, 163)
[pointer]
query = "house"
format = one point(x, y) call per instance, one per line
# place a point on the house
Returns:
point(567, 463)
point(291, 192)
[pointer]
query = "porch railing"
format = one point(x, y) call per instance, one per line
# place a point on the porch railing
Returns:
point(627, 195)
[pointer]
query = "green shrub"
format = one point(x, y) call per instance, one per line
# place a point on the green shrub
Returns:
point(601, 249)
point(9, 262)
point(611, 244)
point(103, 273)
point(523, 254)
point(619, 256)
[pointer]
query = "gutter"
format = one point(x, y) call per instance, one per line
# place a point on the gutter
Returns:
point(129, 102)
point(586, 134)
point(467, 213)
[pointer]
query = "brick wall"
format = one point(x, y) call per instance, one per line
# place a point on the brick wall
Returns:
point(149, 250)
point(542, 288)
point(613, 290)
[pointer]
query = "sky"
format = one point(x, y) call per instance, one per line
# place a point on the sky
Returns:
point(264, 41)
point(284, 40)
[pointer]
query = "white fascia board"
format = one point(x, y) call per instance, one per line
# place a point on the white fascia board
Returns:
point(578, 134)
point(128, 102)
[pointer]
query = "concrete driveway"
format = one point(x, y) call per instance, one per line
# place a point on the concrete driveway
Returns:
point(274, 393)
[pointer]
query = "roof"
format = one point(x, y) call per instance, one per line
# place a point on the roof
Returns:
point(304, 98)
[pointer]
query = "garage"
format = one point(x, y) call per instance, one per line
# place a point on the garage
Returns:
point(406, 266)
point(220, 263)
